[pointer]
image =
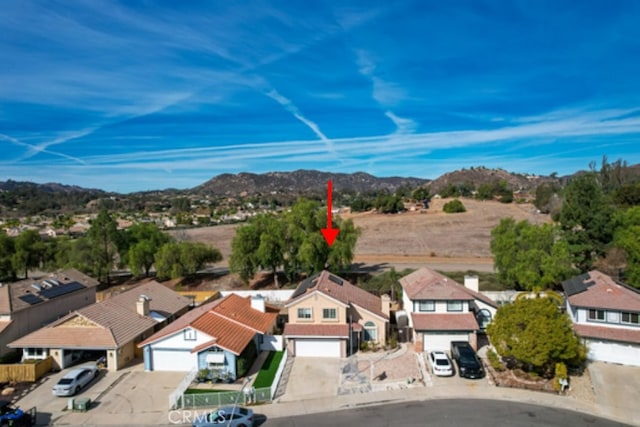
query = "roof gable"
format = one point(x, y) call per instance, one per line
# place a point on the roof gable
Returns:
point(339, 289)
point(427, 284)
point(598, 290)
point(238, 309)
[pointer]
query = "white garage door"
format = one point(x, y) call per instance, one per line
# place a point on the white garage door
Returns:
point(441, 341)
point(173, 360)
point(603, 351)
point(317, 348)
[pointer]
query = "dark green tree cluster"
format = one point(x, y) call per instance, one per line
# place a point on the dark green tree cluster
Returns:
point(597, 226)
point(291, 242)
point(454, 206)
point(536, 334)
point(140, 248)
point(463, 189)
point(495, 190)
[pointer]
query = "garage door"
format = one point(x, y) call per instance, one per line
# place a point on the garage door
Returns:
point(613, 352)
point(173, 360)
point(317, 348)
point(442, 341)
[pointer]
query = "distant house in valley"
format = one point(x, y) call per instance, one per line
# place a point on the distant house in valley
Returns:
point(606, 315)
point(29, 304)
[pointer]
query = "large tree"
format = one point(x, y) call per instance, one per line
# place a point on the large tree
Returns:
point(291, 242)
point(174, 260)
point(535, 333)
point(29, 251)
point(7, 249)
point(104, 239)
point(531, 257)
point(143, 242)
point(586, 219)
point(626, 238)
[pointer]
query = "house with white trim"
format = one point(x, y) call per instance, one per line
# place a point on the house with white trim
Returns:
point(441, 310)
point(606, 315)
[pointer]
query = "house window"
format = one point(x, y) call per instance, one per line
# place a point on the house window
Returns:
point(596, 315)
point(329, 313)
point(190, 334)
point(426, 306)
point(370, 331)
point(454, 305)
point(632, 318)
point(304, 313)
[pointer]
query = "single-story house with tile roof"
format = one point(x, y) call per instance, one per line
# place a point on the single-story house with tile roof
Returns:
point(440, 310)
point(29, 304)
point(606, 315)
point(211, 336)
point(330, 317)
point(111, 328)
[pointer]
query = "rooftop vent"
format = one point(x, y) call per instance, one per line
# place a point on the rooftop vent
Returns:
point(36, 286)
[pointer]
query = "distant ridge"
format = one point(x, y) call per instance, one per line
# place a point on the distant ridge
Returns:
point(300, 182)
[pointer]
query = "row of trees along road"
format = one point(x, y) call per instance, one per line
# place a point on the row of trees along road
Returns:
point(140, 247)
point(292, 242)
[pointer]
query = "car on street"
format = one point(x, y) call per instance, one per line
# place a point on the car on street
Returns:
point(232, 416)
point(75, 380)
point(469, 366)
point(440, 364)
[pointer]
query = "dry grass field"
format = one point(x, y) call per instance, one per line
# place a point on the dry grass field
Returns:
point(444, 241)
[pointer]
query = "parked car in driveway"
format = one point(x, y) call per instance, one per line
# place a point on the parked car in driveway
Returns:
point(75, 380)
point(469, 366)
point(440, 364)
point(227, 416)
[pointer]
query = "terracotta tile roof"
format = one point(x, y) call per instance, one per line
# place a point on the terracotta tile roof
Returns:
point(607, 333)
point(427, 284)
point(292, 330)
point(229, 335)
point(5, 299)
point(111, 323)
point(444, 322)
point(339, 289)
point(237, 308)
point(597, 290)
point(231, 321)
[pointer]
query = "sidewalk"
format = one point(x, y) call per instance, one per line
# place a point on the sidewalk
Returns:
point(470, 391)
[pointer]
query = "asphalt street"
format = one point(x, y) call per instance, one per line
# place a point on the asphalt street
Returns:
point(445, 413)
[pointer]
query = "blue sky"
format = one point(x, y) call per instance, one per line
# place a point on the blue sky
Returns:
point(132, 96)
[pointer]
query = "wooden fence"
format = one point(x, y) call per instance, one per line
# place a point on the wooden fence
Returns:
point(25, 372)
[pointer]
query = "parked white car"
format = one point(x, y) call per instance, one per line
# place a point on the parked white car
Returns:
point(440, 364)
point(75, 380)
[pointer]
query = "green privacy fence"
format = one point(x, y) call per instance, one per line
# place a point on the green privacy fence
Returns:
point(220, 398)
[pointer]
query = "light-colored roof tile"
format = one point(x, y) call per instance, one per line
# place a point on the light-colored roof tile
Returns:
point(601, 291)
point(444, 322)
point(315, 330)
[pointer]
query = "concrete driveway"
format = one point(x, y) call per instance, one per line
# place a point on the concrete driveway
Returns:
point(313, 377)
point(616, 388)
point(126, 397)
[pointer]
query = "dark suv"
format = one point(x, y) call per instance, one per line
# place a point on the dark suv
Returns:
point(469, 366)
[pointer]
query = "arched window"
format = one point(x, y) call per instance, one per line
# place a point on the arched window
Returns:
point(370, 331)
point(484, 318)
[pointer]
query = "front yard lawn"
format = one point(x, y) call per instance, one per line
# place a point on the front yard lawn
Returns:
point(267, 372)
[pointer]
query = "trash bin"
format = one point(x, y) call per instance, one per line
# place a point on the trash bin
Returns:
point(82, 404)
point(70, 404)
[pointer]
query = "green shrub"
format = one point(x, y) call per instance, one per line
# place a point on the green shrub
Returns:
point(561, 373)
point(246, 359)
point(494, 360)
point(454, 206)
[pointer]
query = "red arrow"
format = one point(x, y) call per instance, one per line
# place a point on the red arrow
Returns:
point(329, 233)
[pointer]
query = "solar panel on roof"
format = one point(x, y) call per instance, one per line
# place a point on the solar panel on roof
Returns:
point(336, 280)
point(577, 284)
point(30, 299)
point(63, 289)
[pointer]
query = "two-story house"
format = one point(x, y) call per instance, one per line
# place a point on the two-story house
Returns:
point(330, 317)
point(606, 315)
point(440, 310)
point(30, 304)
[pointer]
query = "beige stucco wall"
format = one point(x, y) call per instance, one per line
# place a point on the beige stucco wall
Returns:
point(361, 317)
point(317, 302)
point(125, 354)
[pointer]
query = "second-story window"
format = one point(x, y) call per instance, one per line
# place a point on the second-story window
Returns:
point(632, 318)
point(426, 305)
point(596, 315)
point(454, 305)
point(329, 313)
point(304, 313)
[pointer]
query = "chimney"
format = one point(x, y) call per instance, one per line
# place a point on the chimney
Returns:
point(472, 282)
point(257, 303)
point(142, 305)
point(386, 304)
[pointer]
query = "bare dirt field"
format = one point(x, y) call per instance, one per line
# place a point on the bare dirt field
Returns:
point(451, 242)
